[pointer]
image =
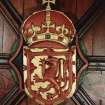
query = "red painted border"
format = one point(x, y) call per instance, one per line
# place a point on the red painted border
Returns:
point(82, 69)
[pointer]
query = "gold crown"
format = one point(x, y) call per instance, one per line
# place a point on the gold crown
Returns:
point(49, 30)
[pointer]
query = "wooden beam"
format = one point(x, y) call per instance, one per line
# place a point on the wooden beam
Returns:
point(81, 97)
point(13, 12)
point(96, 58)
point(90, 17)
point(96, 63)
point(14, 97)
point(83, 25)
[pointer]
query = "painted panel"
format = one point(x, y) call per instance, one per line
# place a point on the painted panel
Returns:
point(49, 62)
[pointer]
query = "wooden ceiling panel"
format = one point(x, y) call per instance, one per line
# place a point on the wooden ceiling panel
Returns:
point(94, 39)
point(99, 37)
point(88, 42)
point(94, 83)
point(18, 4)
point(7, 34)
point(9, 37)
point(83, 6)
point(75, 7)
point(6, 82)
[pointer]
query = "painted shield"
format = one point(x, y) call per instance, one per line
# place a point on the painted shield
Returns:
point(49, 62)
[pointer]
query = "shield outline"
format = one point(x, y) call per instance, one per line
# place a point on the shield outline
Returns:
point(52, 53)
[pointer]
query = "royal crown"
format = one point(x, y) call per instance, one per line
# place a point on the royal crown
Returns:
point(48, 25)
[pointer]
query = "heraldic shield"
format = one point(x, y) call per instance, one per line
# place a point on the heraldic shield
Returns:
point(49, 62)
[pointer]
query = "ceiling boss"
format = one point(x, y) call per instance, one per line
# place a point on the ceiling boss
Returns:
point(49, 62)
